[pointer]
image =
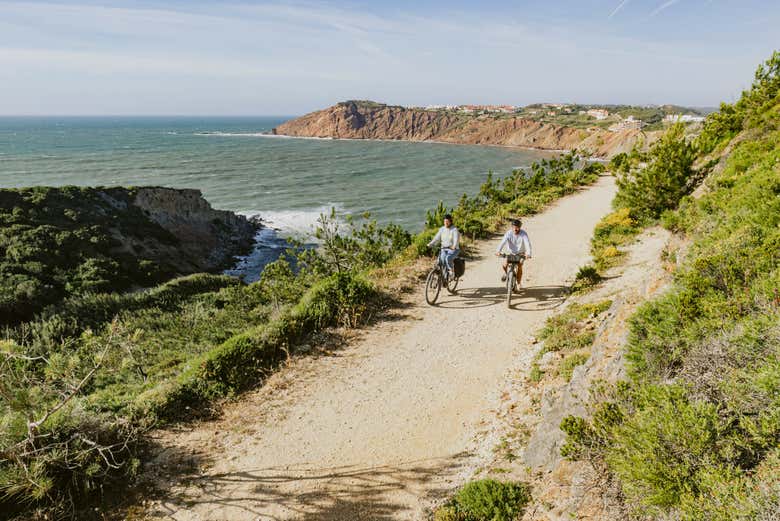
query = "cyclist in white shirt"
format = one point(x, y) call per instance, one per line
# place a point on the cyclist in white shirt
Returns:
point(516, 240)
point(450, 242)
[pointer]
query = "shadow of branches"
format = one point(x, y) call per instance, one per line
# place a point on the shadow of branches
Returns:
point(337, 493)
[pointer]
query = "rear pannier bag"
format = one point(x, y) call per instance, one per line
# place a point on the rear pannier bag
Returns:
point(460, 267)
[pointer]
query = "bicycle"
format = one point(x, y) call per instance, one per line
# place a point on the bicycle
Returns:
point(513, 261)
point(439, 276)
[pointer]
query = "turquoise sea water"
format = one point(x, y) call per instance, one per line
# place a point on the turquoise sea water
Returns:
point(287, 181)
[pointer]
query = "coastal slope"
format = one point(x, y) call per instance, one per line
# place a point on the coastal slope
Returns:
point(368, 120)
point(66, 241)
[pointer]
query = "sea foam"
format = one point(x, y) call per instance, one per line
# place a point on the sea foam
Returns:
point(299, 223)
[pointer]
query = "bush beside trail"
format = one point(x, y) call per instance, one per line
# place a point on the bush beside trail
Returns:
point(694, 433)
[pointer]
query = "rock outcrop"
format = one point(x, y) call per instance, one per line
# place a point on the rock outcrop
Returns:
point(366, 120)
point(209, 238)
point(61, 242)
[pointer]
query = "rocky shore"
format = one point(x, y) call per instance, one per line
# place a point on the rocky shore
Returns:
point(208, 239)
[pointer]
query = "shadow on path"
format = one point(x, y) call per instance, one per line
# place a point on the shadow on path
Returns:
point(337, 493)
point(533, 298)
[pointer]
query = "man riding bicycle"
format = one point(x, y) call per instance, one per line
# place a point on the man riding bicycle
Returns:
point(516, 240)
point(449, 237)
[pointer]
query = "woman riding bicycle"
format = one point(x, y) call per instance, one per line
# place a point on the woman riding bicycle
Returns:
point(449, 237)
point(517, 242)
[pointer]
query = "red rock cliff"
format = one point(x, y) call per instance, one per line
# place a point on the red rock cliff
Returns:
point(367, 120)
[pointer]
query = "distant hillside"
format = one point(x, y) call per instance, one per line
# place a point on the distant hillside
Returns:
point(371, 120)
point(56, 242)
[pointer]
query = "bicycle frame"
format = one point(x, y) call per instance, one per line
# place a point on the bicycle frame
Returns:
point(513, 261)
point(439, 276)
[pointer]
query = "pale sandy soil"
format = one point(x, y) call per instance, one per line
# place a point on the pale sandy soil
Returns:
point(389, 423)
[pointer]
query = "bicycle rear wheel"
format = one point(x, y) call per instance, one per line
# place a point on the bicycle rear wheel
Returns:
point(510, 285)
point(432, 286)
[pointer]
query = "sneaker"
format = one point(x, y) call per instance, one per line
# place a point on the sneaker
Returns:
point(503, 277)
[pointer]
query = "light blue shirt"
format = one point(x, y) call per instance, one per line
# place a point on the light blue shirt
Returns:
point(449, 237)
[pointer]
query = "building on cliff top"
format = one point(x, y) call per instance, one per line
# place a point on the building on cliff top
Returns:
point(684, 118)
point(598, 113)
point(630, 123)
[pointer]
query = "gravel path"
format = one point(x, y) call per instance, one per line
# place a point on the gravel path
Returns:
point(390, 422)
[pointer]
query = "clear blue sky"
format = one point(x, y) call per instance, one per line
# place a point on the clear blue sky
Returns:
point(194, 57)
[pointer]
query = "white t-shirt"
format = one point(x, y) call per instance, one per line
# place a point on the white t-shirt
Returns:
point(517, 243)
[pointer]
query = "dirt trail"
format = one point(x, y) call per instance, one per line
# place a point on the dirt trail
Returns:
point(389, 422)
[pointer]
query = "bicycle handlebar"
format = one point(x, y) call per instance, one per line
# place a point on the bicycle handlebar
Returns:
point(520, 255)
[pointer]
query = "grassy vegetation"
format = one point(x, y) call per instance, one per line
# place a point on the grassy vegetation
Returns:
point(82, 380)
point(571, 333)
point(56, 242)
point(694, 433)
point(570, 362)
point(486, 500)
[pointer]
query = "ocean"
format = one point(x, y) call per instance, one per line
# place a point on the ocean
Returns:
point(286, 181)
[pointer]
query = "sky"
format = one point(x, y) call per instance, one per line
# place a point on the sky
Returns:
point(190, 57)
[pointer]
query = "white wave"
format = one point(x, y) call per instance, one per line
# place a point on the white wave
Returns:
point(233, 134)
point(295, 223)
point(258, 134)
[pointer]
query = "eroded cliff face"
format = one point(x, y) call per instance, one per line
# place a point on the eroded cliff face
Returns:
point(61, 242)
point(205, 239)
point(350, 120)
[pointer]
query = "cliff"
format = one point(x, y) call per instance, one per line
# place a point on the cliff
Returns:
point(59, 242)
point(207, 239)
point(367, 120)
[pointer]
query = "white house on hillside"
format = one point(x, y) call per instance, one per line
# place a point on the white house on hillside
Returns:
point(598, 113)
point(684, 118)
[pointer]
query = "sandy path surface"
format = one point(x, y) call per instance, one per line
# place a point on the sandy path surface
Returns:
point(390, 421)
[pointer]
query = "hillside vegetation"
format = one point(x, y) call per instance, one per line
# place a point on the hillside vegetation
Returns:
point(82, 381)
point(694, 433)
point(61, 242)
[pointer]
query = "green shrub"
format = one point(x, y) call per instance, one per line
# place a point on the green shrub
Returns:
point(244, 359)
point(659, 451)
point(54, 452)
point(587, 277)
point(694, 433)
point(487, 500)
point(664, 181)
point(615, 229)
point(536, 374)
point(365, 245)
point(567, 331)
point(570, 362)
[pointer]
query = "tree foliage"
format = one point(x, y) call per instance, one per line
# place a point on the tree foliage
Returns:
point(659, 186)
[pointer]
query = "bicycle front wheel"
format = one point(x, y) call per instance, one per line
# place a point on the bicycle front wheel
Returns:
point(510, 285)
point(452, 285)
point(432, 286)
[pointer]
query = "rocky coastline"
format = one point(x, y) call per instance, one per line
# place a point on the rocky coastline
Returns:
point(210, 239)
point(355, 120)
